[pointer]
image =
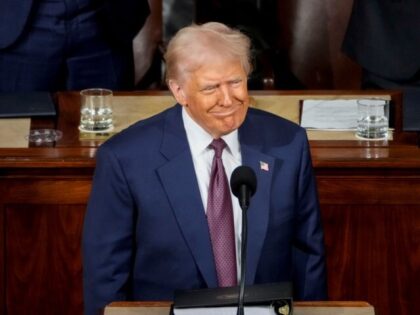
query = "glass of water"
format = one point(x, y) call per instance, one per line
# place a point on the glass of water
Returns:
point(96, 110)
point(372, 120)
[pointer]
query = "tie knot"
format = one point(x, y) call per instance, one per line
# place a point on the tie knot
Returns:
point(218, 145)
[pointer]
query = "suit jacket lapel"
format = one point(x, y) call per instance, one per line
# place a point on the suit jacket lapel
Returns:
point(180, 183)
point(258, 212)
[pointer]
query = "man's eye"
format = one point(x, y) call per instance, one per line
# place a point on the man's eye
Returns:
point(209, 89)
point(236, 82)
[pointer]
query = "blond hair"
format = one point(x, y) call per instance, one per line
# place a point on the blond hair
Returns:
point(192, 46)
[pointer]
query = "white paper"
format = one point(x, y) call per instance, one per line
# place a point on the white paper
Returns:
point(13, 132)
point(329, 114)
point(248, 310)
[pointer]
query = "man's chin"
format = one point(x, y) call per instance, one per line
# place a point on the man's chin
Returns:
point(228, 128)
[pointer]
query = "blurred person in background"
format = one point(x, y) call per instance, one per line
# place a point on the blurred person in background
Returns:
point(383, 36)
point(50, 45)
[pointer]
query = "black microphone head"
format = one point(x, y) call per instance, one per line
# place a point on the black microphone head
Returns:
point(243, 175)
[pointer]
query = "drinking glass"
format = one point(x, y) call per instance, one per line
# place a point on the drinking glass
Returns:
point(96, 110)
point(373, 119)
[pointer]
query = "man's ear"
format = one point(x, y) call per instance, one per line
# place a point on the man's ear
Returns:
point(177, 92)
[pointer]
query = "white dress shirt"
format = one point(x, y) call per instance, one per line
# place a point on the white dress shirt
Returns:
point(202, 155)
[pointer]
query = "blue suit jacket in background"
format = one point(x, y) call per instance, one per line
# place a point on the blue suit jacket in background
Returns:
point(146, 234)
point(120, 19)
point(383, 36)
point(13, 17)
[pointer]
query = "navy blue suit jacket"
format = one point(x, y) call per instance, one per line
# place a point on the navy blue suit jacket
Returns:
point(13, 17)
point(383, 37)
point(145, 231)
point(120, 19)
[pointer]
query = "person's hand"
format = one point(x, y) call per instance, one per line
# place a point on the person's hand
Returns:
point(147, 41)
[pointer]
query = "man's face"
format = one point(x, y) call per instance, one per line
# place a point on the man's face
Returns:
point(215, 96)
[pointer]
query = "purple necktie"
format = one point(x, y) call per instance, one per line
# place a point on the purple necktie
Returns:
point(220, 219)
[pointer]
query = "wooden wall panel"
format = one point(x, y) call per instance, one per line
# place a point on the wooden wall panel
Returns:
point(41, 224)
point(43, 262)
point(2, 254)
point(373, 255)
point(366, 190)
point(371, 219)
point(48, 190)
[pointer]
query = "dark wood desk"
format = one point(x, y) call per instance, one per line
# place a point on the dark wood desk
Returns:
point(369, 196)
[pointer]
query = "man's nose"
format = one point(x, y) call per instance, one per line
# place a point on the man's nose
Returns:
point(226, 95)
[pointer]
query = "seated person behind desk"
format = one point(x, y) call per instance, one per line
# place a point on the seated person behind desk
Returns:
point(146, 230)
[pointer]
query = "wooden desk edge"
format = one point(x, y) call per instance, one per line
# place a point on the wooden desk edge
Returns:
point(297, 304)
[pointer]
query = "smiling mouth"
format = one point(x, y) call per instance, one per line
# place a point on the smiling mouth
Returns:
point(227, 112)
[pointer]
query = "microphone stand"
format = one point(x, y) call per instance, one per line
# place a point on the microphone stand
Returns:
point(244, 206)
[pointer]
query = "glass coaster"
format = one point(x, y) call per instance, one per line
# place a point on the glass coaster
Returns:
point(372, 139)
point(97, 131)
point(39, 136)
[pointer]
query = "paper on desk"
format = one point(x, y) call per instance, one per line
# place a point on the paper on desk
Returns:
point(13, 132)
point(248, 310)
point(329, 114)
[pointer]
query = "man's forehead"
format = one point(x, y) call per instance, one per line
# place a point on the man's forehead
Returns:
point(217, 72)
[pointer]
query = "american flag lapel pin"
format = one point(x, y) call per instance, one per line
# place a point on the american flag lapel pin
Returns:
point(264, 166)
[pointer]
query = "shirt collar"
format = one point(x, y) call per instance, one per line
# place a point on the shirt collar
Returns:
point(199, 139)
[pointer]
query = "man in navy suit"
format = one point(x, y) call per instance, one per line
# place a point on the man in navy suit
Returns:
point(146, 233)
point(64, 44)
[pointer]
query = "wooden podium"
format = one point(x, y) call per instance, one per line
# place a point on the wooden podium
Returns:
point(300, 308)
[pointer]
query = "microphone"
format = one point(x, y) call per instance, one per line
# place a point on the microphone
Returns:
point(243, 183)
